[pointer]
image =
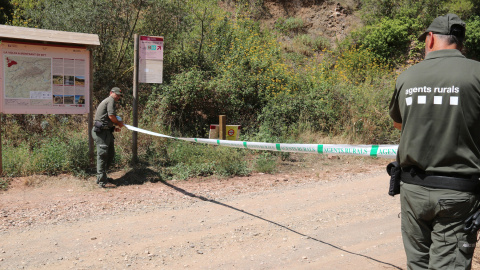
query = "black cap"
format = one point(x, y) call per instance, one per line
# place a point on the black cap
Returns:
point(443, 26)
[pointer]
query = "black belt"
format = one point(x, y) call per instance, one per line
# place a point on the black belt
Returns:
point(467, 184)
point(100, 125)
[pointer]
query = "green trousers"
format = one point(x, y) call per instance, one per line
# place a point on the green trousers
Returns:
point(105, 153)
point(432, 227)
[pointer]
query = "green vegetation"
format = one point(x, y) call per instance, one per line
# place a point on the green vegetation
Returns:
point(266, 163)
point(189, 160)
point(44, 144)
point(289, 26)
point(277, 83)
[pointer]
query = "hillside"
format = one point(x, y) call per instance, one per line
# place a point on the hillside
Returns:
point(333, 20)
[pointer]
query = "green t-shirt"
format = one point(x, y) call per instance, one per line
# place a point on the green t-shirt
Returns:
point(106, 108)
point(438, 103)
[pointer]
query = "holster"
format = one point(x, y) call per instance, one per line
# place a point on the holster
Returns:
point(97, 126)
point(394, 170)
point(472, 223)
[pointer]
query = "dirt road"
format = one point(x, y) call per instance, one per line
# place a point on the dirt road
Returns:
point(334, 216)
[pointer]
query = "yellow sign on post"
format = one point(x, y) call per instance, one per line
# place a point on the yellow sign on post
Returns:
point(233, 132)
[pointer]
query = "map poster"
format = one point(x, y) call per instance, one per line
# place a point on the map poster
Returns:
point(150, 59)
point(44, 79)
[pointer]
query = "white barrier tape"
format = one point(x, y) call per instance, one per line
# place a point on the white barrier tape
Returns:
point(385, 150)
point(148, 132)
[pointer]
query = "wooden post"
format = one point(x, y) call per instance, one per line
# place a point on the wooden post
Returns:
point(135, 99)
point(90, 114)
point(1, 153)
point(222, 125)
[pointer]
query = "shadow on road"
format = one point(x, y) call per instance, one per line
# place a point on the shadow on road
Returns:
point(272, 222)
point(139, 175)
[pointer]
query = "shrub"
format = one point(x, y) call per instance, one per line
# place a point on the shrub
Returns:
point(266, 163)
point(320, 43)
point(307, 45)
point(4, 183)
point(16, 160)
point(472, 38)
point(302, 44)
point(388, 40)
point(282, 115)
point(50, 155)
point(290, 25)
point(77, 155)
point(359, 65)
point(364, 116)
point(187, 105)
point(231, 162)
point(192, 160)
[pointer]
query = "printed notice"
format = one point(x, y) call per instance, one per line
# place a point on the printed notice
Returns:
point(151, 48)
point(44, 79)
point(150, 59)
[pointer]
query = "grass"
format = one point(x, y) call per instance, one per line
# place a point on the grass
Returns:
point(266, 163)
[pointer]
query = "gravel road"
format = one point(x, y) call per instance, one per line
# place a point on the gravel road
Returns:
point(333, 216)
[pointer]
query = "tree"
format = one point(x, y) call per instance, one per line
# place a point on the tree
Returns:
point(6, 11)
point(114, 22)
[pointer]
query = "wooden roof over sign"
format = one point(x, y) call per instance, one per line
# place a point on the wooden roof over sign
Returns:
point(42, 35)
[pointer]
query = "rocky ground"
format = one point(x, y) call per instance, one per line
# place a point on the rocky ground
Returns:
point(322, 214)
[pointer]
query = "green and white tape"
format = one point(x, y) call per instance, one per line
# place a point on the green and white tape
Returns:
point(382, 150)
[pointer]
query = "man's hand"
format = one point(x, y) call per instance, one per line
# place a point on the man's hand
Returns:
point(114, 120)
point(397, 125)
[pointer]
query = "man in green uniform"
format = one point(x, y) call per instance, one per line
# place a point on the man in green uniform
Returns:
point(436, 104)
point(105, 119)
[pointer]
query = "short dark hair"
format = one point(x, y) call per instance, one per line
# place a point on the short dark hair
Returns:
point(458, 32)
point(456, 36)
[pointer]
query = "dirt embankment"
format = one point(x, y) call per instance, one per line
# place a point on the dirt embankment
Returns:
point(332, 20)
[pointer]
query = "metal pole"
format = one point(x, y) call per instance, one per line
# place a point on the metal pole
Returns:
point(135, 99)
point(1, 153)
point(90, 115)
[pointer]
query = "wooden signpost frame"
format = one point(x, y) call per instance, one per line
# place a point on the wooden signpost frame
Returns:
point(54, 38)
